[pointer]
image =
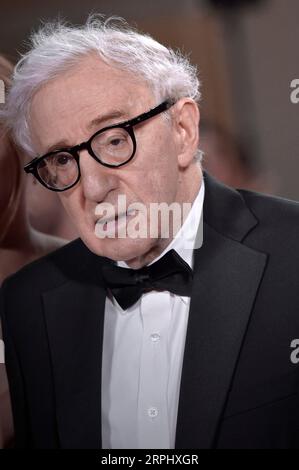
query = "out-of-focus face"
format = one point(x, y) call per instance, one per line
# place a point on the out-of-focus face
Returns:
point(7, 173)
point(8, 158)
point(93, 95)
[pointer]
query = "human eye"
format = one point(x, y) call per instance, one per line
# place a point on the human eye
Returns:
point(63, 159)
point(113, 146)
point(116, 140)
point(60, 160)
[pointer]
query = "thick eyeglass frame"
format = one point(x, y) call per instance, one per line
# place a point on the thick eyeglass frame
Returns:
point(32, 167)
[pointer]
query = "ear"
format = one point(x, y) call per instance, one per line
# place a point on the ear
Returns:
point(186, 121)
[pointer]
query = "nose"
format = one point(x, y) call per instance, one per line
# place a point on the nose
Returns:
point(96, 180)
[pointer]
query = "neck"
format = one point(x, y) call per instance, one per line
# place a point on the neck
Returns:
point(187, 192)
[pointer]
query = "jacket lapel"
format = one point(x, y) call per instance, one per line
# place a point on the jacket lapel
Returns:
point(227, 275)
point(74, 316)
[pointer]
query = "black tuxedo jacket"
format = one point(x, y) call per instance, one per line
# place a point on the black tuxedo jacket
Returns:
point(239, 386)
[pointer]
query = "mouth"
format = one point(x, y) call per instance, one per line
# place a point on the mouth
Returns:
point(111, 224)
point(106, 220)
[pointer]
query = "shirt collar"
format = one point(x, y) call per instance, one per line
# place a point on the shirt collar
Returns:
point(186, 239)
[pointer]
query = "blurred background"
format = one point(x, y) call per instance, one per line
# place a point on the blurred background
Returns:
point(246, 52)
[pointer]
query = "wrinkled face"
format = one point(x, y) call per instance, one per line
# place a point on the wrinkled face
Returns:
point(72, 107)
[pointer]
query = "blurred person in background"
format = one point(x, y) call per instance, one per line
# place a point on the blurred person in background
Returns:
point(20, 243)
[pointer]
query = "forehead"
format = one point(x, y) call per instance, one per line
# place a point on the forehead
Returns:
point(89, 90)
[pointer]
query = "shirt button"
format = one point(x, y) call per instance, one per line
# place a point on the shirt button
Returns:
point(153, 412)
point(155, 337)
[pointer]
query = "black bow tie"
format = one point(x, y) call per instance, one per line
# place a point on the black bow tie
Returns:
point(169, 273)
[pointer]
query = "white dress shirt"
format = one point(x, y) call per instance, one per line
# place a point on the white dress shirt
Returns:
point(143, 352)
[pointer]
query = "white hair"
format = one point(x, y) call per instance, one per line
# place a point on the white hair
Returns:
point(57, 46)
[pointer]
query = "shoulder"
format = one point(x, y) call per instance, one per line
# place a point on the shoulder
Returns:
point(276, 232)
point(245, 216)
point(262, 222)
point(265, 206)
point(223, 202)
point(21, 295)
point(276, 216)
point(50, 271)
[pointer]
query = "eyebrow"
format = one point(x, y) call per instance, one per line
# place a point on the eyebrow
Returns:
point(97, 122)
point(107, 117)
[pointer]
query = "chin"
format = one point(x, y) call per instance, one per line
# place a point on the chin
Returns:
point(123, 249)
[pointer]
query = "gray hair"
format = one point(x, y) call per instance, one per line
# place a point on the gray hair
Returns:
point(57, 46)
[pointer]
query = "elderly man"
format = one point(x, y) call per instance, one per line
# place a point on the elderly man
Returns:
point(144, 338)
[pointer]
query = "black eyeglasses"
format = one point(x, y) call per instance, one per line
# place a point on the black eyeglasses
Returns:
point(111, 146)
